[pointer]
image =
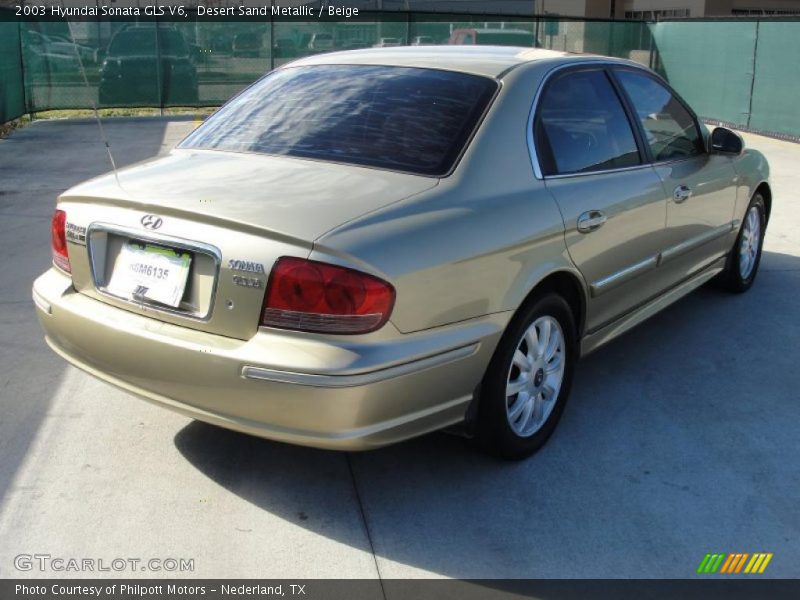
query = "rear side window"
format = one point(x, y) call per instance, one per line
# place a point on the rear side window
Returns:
point(398, 118)
point(581, 126)
point(671, 130)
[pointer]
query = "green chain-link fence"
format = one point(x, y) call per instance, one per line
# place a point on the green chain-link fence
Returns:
point(746, 73)
point(203, 63)
point(12, 85)
point(741, 72)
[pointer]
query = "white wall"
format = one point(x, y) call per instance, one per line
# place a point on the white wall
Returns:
point(767, 4)
point(696, 7)
point(567, 8)
point(711, 8)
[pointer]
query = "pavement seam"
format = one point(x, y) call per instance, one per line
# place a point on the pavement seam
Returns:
point(364, 520)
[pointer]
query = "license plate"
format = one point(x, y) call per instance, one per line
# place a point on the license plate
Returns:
point(144, 272)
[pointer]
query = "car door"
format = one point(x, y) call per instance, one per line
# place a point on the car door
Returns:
point(611, 200)
point(700, 187)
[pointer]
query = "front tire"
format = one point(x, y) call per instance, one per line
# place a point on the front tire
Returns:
point(528, 380)
point(745, 257)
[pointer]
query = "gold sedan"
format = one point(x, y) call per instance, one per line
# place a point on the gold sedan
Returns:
point(367, 246)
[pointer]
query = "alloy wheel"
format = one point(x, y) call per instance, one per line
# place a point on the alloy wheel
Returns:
point(750, 244)
point(535, 376)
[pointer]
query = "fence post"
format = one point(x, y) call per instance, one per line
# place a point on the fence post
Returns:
point(22, 72)
point(753, 80)
point(271, 38)
point(159, 74)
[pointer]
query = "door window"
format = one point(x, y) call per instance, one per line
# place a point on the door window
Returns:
point(582, 127)
point(670, 128)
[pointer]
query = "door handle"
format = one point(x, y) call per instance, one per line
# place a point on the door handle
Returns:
point(681, 194)
point(591, 221)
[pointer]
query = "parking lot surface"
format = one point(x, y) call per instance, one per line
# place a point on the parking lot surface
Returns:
point(680, 439)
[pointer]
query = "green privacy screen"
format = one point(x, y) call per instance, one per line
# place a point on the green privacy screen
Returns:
point(710, 64)
point(145, 64)
point(630, 40)
point(203, 63)
point(12, 95)
point(746, 73)
point(776, 93)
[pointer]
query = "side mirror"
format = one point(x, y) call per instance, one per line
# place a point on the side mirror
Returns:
point(725, 141)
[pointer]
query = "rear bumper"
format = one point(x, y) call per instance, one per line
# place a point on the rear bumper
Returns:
point(340, 393)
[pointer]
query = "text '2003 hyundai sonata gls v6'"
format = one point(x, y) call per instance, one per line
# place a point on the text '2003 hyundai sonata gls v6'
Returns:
point(366, 246)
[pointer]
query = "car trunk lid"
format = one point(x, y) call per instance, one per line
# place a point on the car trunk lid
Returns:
point(233, 214)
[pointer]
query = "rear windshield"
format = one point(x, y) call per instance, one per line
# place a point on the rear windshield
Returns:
point(398, 118)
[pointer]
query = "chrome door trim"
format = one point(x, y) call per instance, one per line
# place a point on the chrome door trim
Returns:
point(534, 156)
point(692, 243)
point(668, 162)
point(609, 330)
point(601, 286)
point(359, 379)
point(156, 238)
point(603, 172)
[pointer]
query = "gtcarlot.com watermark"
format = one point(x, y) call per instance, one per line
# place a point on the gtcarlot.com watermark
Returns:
point(47, 563)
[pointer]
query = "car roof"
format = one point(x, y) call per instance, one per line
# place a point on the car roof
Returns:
point(489, 61)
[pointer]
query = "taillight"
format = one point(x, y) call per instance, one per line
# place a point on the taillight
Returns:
point(58, 236)
point(314, 296)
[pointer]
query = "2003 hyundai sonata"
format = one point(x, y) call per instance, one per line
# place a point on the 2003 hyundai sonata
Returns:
point(366, 246)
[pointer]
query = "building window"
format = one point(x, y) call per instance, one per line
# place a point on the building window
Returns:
point(764, 12)
point(655, 15)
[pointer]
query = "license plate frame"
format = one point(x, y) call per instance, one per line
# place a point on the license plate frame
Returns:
point(150, 273)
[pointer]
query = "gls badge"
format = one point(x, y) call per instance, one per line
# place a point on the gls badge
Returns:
point(151, 221)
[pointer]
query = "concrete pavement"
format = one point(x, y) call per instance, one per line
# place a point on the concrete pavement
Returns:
point(680, 438)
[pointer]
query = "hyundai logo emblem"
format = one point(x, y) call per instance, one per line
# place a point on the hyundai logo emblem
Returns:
point(151, 221)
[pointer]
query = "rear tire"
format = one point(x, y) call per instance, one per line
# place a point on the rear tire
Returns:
point(528, 380)
point(742, 265)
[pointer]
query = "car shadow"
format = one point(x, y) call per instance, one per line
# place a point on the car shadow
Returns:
point(37, 163)
point(637, 465)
